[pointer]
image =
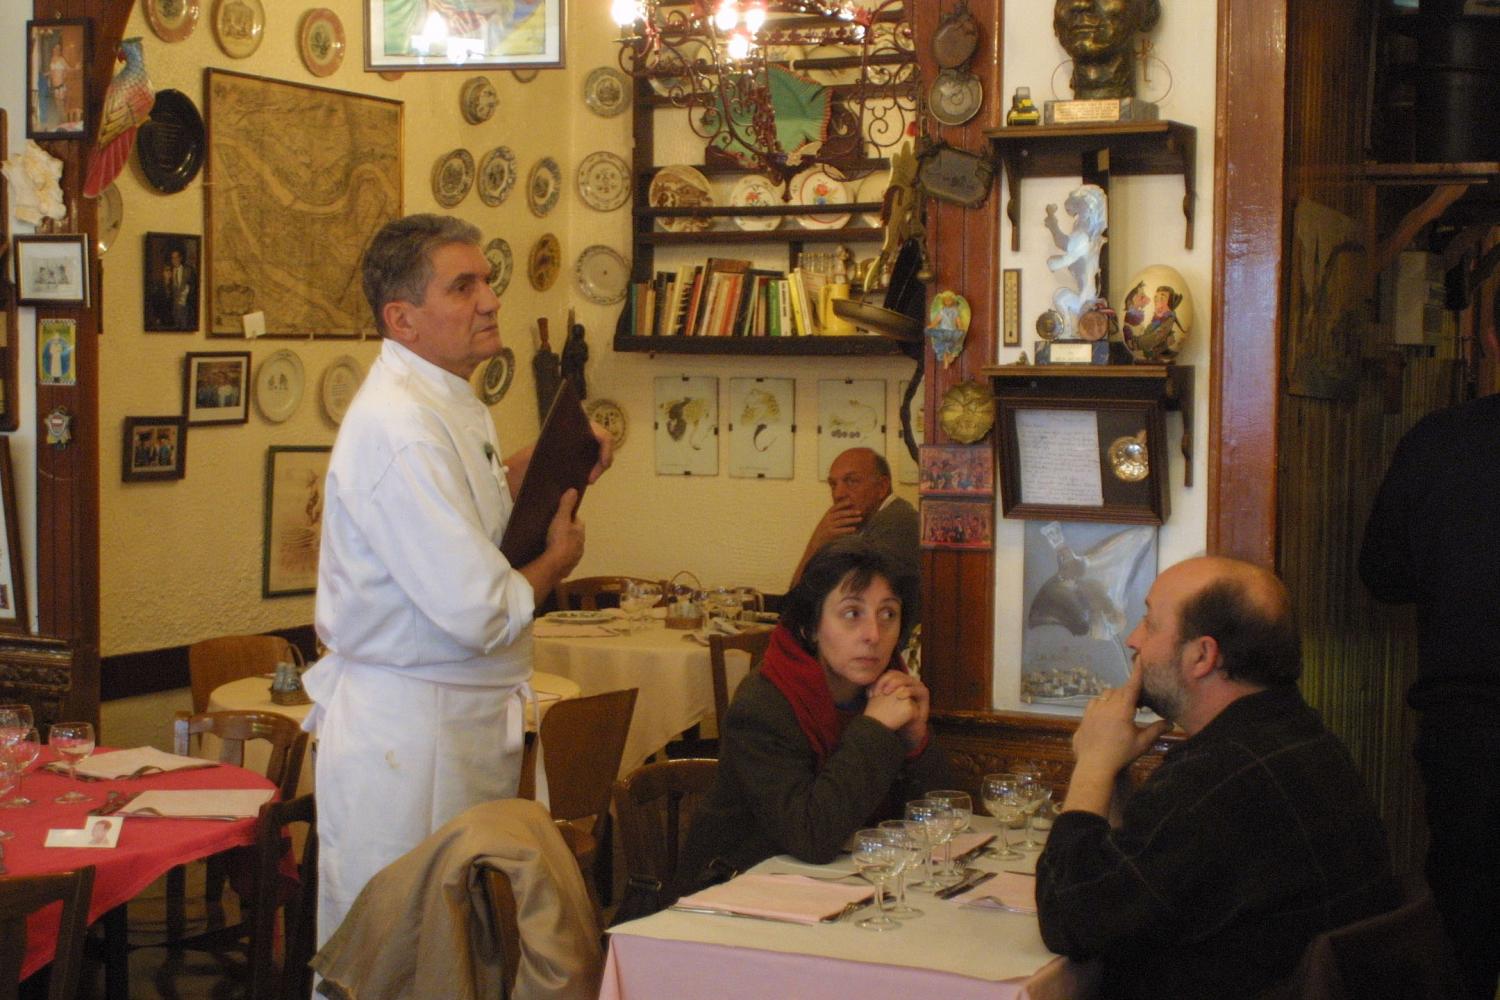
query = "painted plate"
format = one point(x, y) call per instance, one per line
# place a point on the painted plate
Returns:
point(341, 380)
point(171, 143)
point(604, 181)
point(579, 617)
point(755, 191)
point(477, 100)
point(681, 186)
point(320, 41)
point(278, 386)
point(111, 215)
point(829, 77)
point(497, 252)
point(525, 75)
point(607, 413)
point(602, 275)
point(497, 175)
point(239, 26)
point(495, 376)
point(606, 91)
point(544, 262)
point(543, 186)
point(671, 67)
point(452, 176)
point(872, 188)
point(822, 185)
point(172, 20)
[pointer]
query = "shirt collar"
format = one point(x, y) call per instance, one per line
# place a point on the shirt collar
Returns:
point(405, 359)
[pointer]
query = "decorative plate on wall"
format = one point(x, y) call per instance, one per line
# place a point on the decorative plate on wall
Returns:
point(543, 186)
point(341, 381)
point(495, 376)
point(606, 91)
point(544, 262)
point(755, 191)
point(278, 386)
point(604, 181)
point(821, 185)
point(607, 413)
point(170, 144)
point(525, 75)
point(477, 100)
point(111, 215)
point(602, 275)
point(497, 175)
point(497, 252)
point(681, 186)
point(239, 26)
point(320, 41)
point(452, 176)
point(172, 20)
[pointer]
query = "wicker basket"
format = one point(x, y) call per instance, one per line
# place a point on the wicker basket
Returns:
point(684, 622)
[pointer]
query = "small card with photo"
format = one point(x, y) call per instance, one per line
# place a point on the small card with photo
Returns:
point(98, 831)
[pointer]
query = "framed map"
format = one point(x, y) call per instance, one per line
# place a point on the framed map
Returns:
point(299, 178)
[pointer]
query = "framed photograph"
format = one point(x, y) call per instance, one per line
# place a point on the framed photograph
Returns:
point(154, 448)
point(958, 470)
point(957, 524)
point(56, 343)
point(13, 614)
point(170, 265)
point(477, 36)
point(687, 425)
point(52, 270)
point(216, 387)
point(761, 427)
point(294, 518)
point(57, 65)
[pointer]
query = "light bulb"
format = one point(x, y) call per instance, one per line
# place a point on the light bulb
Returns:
point(625, 12)
point(739, 45)
point(727, 16)
point(755, 16)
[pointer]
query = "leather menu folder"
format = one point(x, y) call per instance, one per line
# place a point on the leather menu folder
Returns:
point(565, 453)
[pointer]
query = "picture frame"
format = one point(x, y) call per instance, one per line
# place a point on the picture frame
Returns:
point(52, 270)
point(14, 616)
point(393, 42)
point(171, 268)
point(57, 351)
point(154, 448)
point(957, 524)
point(216, 387)
point(686, 425)
point(762, 427)
point(58, 56)
point(957, 470)
point(293, 518)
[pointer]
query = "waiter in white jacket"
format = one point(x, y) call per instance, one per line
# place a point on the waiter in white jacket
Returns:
point(420, 699)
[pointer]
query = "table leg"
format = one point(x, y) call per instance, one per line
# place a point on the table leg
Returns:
point(116, 955)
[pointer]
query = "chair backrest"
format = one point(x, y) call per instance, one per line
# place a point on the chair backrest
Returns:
point(275, 892)
point(226, 658)
point(753, 642)
point(287, 741)
point(503, 917)
point(583, 593)
point(655, 804)
point(583, 741)
point(25, 894)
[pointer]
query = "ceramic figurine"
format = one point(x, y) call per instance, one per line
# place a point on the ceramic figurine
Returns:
point(947, 325)
point(1080, 254)
point(1156, 314)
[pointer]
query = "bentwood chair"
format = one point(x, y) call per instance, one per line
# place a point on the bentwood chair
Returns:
point(589, 593)
point(21, 896)
point(753, 643)
point(655, 805)
point(295, 898)
point(212, 662)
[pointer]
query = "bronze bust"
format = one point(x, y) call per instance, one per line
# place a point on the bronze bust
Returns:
point(1098, 35)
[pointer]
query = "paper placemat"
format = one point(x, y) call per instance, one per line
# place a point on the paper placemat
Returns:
point(199, 803)
point(132, 763)
point(792, 898)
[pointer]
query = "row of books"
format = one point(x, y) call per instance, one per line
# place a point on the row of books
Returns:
point(726, 297)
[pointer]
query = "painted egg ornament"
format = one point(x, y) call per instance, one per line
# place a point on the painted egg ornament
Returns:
point(1156, 314)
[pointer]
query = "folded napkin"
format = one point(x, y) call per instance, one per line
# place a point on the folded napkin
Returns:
point(965, 844)
point(199, 803)
point(1006, 891)
point(563, 630)
point(792, 898)
point(134, 763)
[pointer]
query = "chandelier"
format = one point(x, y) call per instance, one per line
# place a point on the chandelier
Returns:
point(742, 67)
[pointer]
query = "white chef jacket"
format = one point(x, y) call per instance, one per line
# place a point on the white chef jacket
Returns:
point(420, 701)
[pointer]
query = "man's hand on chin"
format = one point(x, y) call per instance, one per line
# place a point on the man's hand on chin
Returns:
point(839, 520)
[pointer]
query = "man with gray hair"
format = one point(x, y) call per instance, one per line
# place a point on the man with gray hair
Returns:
point(420, 699)
point(860, 481)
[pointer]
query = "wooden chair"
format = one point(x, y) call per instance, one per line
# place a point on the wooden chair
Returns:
point(583, 742)
point(584, 593)
point(212, 662)
point(503, 916)
point(296, 899)
point(21, 896)
point(655, 804)
point(753, 643)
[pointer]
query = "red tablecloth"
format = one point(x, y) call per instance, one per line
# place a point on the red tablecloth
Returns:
point(147, 849)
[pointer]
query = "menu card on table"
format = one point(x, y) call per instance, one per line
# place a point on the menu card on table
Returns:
point(199, 803)
point(792, 898)
point(135, 763)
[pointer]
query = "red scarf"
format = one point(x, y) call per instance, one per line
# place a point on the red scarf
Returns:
point(799, 676)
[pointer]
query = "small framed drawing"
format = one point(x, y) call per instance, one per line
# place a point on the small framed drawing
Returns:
point(170, 267)
point(52, 270)
point(761, 427)
point(293, 518)
point(687, 425)
point(13, 614)
point(154, 448)
point(957, 524)
point(58, 54)
point(56, 349)
point(406, 37)
point(958, 470)
point(216, 387)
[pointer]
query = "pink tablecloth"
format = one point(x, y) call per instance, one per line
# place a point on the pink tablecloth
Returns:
point(146, 850)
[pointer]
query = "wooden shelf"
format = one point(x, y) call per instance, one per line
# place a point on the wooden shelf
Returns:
point(1452, 185)
point(841, 347)
point(849, 234)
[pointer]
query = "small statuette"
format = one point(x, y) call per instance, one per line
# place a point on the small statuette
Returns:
point(1022, 110)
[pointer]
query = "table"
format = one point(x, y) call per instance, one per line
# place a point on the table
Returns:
point(669, 667)
point(951, 952)
point(147, 848)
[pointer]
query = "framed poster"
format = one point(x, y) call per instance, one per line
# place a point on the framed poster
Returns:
point(170, 265)
point(293, 518)
point(216, 387)
point(687, 426)
point(13, 614)
point(154, 448)
point(480, 34)
point(52, 270)
point(58, 54)
point(287, 221)
point(762, 426)
point(957, 524)
point(851, 414)
point(958, 470)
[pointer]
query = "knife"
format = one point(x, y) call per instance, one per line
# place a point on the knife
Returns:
point(972, 882)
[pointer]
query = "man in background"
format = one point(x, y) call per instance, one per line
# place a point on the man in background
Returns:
point(863, 504)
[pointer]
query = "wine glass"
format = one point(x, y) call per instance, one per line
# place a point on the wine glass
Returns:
point(15, 720)
point(74, 741)
point(24, 753)
point(1033, 794)
point(879, 861)
point(647, 596)
point(1040, 820)
point(1002, 800)
point(962, 808)
point(9, 770)
point(936, 819)
point(909, 839)
point(630, 603)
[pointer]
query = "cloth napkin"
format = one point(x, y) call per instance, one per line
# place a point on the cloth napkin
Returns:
point(964, 843)
point(133, 763)
point(199, 803)
point(792, 898)
point(1006, 891)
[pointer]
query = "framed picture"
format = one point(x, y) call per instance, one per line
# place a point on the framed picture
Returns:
point(851, 414)
point(56, 343)
point(216, 387)
point(294, 518)
point(170, 265)
point(958, 470)
point(405, 36)
point(957, 524)
point(154, 448)
point(762, 427)
point(687, 425)
point(13, 614)
point(57, 64)
point(52, 270)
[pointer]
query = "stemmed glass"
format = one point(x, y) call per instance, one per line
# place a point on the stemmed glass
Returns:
point(1002, 800)
point(1033, 794)
point(962, 808)
point(908, 838)
point(9, 772)
point(24, 752)
point(879, 861)
point(74, 741)
point(642, 597)
point(936, 820)
point(15, 721)
point(630, 603)
point(1041, 820)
